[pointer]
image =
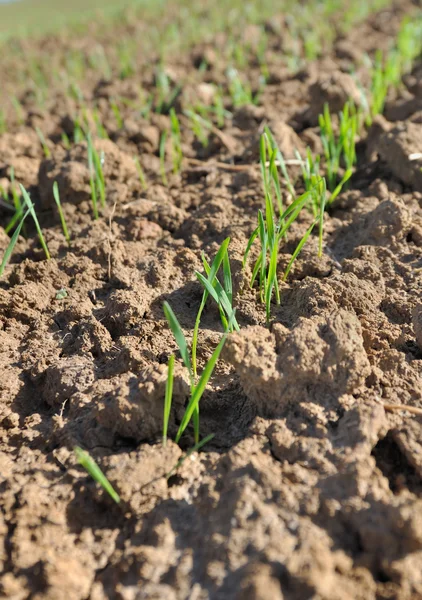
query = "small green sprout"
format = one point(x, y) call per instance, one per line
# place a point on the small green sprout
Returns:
point(177, 153)
point(222, 294)
point(31, 209)
point(211, 278)
point(341, 147)
point(16, 202)
point(65, 141)
point(197, 388)
point(162, 154)
point(20, 114)
point(56, 195)
point(201, 126)
point(12, 244)
point(96, 177)
point(166, 94)
point(240, 92)
point(141, 174)
point(117, 114)
point(43, 142)
point(95, 472)
point(168, 398)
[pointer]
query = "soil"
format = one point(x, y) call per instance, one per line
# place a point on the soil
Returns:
point(312, 484)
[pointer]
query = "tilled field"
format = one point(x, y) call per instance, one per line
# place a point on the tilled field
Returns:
point(312, 484)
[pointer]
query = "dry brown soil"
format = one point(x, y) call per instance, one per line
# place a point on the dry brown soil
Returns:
point(311, 487)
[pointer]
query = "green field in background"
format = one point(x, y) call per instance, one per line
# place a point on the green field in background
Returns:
point(42, 16)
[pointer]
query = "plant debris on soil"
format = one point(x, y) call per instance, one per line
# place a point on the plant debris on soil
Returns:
point(309, 484)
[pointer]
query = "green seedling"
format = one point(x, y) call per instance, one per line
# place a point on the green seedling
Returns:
point(166, 94)
point(201, 127)
point(12, 244)
point(222, 294)
point(211, 277)
point(409, 42)
point(125, 56)
point(96, 177)
point(240, 92)
point(197, 386)
point(20, 114)
point(177, 154)
point(28, 202)
point(56, 195)
point(310, 168)
point(78, 131)
point(338, 148)
point(276, 157)
point(95, 472)
point(141, 174)
point(162, 154)
point(44, 145)
point(16, 203)
point(101, 130)
point(168, 398)
point(117, 114)
point(65, 141)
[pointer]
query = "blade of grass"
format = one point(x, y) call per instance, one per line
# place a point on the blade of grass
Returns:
point(94, 470)
point(31, 209)
point(168, 398)
point(200, 388)
point(12, 244)
point(56, 195)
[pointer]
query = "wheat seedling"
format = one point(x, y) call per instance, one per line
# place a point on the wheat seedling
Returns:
point(141, 174)
point(44, 145)
point(28, 202)
point(95, 472)
point(162, 154)
point(177, 154)
point(56, 195)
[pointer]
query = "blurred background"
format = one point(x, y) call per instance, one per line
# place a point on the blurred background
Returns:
point(24, 16)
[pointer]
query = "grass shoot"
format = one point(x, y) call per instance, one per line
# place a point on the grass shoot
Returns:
point(56, 195)
point(29, 205)
point(95, 472)
point(177, 153)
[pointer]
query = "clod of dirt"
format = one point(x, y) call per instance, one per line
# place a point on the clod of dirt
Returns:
point(66, 377)
point(72, 174)
point(320, 359)
point(396, 148)
point(417, 323)
point(123, 310)
point(133, 405)
point(335, 89)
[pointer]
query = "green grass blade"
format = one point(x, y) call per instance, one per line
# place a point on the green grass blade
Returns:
point(218, 259)
point(12, 244)
point(31, 209)
point(227, 277)
point(298, 249)
point(97, 475)
point(168, 398)
point(178, 336)
point(271, 280)
point(61, 214)
point(200, 388)
point(249, 246)
point(217, 292)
